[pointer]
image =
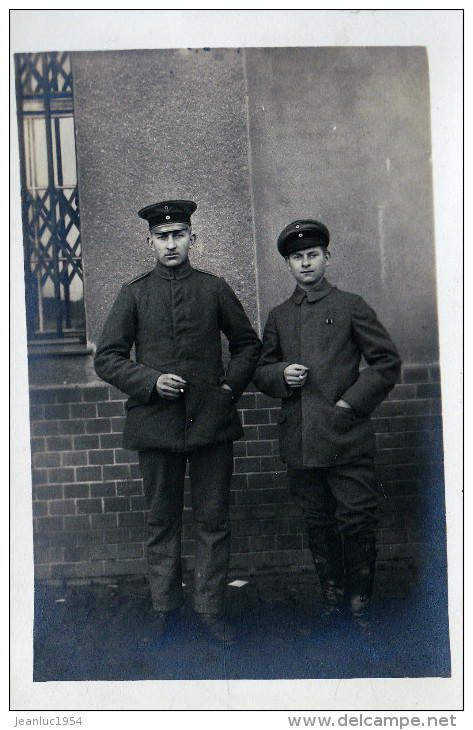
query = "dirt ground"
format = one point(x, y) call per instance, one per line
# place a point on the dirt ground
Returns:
point(94, 632)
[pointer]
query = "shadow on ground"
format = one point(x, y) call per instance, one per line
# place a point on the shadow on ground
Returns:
point(93, 632)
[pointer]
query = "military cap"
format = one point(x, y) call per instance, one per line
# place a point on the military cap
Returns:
point(169, 211)
point(302, 234)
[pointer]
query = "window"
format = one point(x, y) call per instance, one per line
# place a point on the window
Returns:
point(50, 203)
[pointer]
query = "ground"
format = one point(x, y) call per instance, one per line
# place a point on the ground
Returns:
point(93, 632)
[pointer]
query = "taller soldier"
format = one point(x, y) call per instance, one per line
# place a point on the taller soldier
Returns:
point(181, 407)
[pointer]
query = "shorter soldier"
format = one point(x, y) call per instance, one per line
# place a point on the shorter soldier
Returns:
point(312, 347)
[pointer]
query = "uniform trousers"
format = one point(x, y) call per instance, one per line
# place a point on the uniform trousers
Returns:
point(210, 471)
point(342, 497)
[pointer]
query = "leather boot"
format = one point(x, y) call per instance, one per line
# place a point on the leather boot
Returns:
point(326, 549)
point(360, 557)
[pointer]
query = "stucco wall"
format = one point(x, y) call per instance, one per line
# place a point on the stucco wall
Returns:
point(343, 135)
point(161, 124)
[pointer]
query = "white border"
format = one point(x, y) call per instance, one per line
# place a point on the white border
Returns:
point(441, 32)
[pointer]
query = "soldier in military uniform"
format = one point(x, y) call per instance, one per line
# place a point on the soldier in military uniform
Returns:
point(181, 407)
point(312, 347)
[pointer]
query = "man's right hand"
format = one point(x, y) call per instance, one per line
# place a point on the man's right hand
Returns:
point(295, 375)
point(170, 386)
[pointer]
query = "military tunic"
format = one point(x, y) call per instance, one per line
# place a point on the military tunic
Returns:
point(327, 330)
point(174, 317)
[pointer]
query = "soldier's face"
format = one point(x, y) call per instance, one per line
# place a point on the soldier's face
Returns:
point(171, 243)
point(308, 266)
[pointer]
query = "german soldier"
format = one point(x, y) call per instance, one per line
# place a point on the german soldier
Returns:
point(181, 407)
point(312, 347)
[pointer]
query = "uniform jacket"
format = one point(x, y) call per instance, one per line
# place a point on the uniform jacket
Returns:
point(174, 318)
point(328, 331)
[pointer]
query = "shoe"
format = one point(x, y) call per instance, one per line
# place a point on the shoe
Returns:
point(217, 628)
point(157, 629)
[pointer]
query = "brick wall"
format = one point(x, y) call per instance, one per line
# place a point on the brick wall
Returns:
point(89, 509)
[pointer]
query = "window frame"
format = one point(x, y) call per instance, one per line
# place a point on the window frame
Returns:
point(44, 90)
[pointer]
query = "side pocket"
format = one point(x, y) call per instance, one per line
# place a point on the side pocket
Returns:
point(349, 413)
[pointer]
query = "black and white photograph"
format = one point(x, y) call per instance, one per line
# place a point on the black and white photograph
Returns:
point(238, 381)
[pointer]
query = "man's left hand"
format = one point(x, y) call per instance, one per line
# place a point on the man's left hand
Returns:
point(343, 404)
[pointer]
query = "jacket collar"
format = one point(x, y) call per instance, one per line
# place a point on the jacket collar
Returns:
point(173, 272)
point(312, 295)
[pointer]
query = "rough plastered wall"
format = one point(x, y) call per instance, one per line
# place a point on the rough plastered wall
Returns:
point(343, 135)
point(152, 125)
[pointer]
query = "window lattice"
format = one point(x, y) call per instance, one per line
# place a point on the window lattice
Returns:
point(50, 200)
